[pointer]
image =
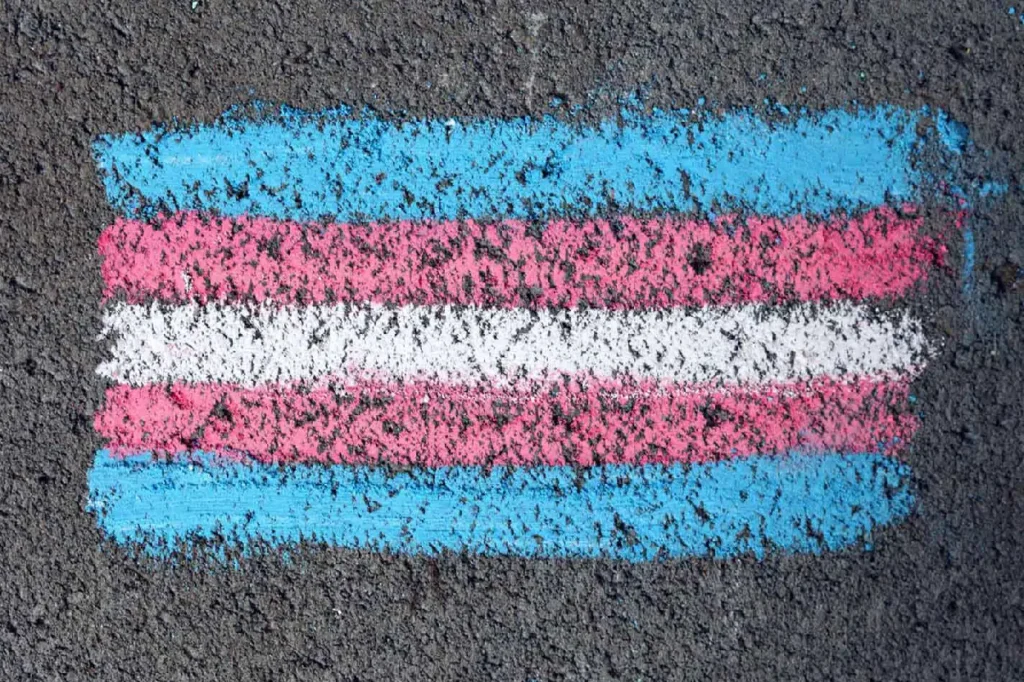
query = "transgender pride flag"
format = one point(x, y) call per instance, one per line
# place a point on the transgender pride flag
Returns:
point(666, 335)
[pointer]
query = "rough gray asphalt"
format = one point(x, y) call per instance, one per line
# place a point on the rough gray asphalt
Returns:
point(940, 597)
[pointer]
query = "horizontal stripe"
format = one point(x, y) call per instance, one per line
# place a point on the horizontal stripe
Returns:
point(301, 166)
point(437, 425)
point(752, 344)
point(631, 263)
point(792, 503)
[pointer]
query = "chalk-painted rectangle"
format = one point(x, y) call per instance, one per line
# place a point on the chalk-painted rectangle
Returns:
point(297, 165)
point(627, 263)
point(751, 344)
point(663, 335)
point(793, 503)
point(569, 423)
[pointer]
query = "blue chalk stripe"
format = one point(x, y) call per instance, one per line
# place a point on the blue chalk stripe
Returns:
point(796, 503)
point(334, 164)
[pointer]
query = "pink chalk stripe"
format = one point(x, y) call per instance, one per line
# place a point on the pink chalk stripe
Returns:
point(432, 424)
point(632, 263)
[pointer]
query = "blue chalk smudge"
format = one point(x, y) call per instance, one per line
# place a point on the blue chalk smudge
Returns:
point(795, 503)
point(336, 164)
point(954, 134)
point(982, 190)
point(967, 275)
point(993, 188)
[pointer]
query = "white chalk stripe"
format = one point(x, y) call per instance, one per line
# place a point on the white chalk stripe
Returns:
point(250, 346)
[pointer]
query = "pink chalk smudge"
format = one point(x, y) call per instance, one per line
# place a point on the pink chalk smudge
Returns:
point(622, 264)
point(570, 422)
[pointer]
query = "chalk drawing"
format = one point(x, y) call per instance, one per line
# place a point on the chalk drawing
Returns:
point(669, 334)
